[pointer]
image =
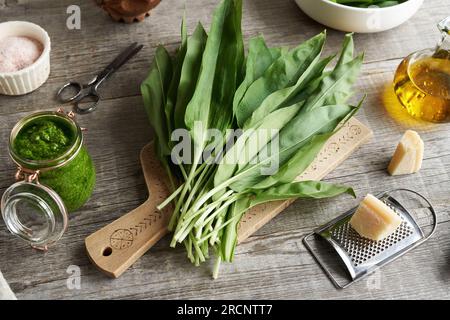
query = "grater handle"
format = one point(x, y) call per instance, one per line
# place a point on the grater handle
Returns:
point(322, 263)
point(430, 207)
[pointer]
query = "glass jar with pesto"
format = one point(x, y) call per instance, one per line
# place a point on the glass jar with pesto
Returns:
point(55, 176)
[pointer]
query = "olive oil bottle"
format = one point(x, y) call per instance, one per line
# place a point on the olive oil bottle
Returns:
point(422, 81)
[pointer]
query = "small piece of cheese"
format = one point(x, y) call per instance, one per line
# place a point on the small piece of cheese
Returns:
point(408, 156)
point(374, 219)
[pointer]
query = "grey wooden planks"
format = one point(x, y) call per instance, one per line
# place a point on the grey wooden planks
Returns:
point(118, 130)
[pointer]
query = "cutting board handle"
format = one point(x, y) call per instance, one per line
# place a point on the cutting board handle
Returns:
point(115, 247)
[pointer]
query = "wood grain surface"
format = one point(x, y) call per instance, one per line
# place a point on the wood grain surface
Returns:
point(273, 263)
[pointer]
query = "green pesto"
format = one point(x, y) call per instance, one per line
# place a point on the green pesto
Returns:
point(73, 182)
point(48, 139)
point(43, 139)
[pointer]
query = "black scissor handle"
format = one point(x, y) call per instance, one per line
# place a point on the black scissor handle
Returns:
point(82, 107)
point(72, 86)
point(80, 93)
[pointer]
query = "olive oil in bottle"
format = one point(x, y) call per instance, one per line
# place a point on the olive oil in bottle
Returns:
point(422, 81)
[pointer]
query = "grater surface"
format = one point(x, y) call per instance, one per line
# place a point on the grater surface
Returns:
point(361, 255)
point(360, 249)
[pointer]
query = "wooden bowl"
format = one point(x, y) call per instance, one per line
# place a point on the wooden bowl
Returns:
point(128, 11)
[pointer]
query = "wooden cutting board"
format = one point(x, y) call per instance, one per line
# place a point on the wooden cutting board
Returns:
point(115, 247)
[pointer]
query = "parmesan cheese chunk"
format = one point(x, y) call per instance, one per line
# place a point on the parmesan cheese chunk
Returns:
point(408, 156)
point(374, 219)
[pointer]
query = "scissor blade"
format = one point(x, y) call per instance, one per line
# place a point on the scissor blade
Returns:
point(124, 56)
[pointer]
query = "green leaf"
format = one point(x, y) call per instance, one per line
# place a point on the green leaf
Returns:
point(259, 59)
point(368, 3)
point(240, 47)
point(173, 88)
point(279, 98)
point(301, 160)
point(199, 108)
point(303, 189)
point(292, 137)
point(153, 91)
point(189, 73)
point(297, 164)
point(266, 131)
point(247, 144)
point(230, 235)
point(229, 66)
point(211, 103)
point(310, 89)
point(285, 71)
point(347, 52)
point(341, 95)
point(340, 80)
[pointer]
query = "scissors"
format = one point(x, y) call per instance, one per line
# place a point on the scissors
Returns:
point(88, 93)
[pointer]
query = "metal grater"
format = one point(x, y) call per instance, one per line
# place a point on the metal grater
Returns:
point(362, 256)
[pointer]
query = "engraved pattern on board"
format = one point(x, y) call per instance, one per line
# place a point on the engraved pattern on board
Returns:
point(124, 238)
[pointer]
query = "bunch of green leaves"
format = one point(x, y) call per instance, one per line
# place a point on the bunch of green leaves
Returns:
point(291, 94)
point(369, 3)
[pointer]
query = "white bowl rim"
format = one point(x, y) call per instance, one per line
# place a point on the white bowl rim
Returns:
point(45, 52)
point(350, 8)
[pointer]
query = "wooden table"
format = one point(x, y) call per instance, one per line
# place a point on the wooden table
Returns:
point(273, 263)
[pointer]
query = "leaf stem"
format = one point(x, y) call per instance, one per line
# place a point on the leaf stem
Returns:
point(216, 269)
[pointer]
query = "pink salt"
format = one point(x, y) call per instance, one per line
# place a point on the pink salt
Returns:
point(17, 53)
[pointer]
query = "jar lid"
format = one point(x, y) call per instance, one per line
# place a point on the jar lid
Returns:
point(35, 213)
point(59, 116)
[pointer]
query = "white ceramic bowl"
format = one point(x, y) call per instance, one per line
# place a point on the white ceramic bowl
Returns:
point(362, 20)
point(32, 77)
